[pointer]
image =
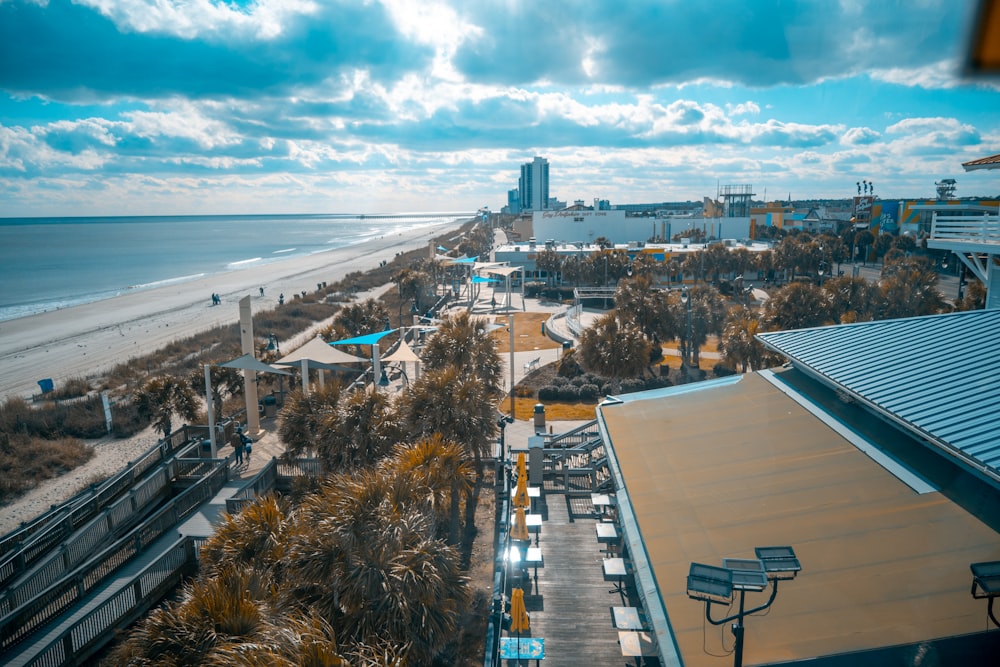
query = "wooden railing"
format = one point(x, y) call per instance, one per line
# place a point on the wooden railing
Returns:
point(44, 605)
point(983, 228)
point(79, 641)
point(22, 547)
point(262, 482)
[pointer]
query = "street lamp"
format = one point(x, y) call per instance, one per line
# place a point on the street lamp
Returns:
point(716, 585)
point(685, 357)
point(272, 344)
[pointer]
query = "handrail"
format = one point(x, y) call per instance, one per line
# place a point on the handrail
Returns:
point(92, 631)
point(261, 483)
point(33, 613)
point(983, 228)
point(574, 436)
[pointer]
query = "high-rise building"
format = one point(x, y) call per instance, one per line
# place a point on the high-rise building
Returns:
point(533, 186)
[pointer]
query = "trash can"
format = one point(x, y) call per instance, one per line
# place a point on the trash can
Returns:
point(46, 385)
point(567, 345)
point(206, 448)
point(270, 406)
point(539, 415)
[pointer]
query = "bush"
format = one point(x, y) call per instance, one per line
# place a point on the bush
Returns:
point(579, 381)
point(569, 393)
point(560, 381)
point(548, 393)
point(589, 392)
point(523, 391)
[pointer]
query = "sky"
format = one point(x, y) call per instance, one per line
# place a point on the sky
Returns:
point(195, 107)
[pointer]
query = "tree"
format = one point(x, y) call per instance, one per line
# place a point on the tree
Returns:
point(464, 342)
point(738, 343)
point(796, 306)
point(161, 398)
point(440, 466)
point(551, 263)
point(909, 288)
point(614, 348)
point(647, 308)
point(366, 558)
point(304, 416)
point(455, 405)
point(225, 382)
point(852, 299)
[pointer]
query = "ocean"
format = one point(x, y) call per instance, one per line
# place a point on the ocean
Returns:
point(52, 263)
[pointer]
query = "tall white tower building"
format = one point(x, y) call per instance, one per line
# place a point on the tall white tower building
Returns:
point(533, 185)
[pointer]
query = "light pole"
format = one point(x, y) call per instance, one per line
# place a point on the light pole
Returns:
point(716, 585)
point(686, 354)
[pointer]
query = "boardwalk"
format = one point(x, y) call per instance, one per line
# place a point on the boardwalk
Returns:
point(570, 607)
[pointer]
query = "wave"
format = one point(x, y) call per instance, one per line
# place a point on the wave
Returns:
point(239, 264)
point(278, 252)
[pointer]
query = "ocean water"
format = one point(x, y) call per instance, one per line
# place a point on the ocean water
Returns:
point(52, 263)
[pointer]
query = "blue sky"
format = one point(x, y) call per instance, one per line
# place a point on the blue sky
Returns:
point(146, 107)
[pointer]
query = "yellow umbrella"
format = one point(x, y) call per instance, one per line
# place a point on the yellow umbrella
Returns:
point(521, 498)
point(519, 621)
point(522, 467)
point(520, 529)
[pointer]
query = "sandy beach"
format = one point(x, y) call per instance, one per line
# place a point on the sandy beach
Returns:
point(89, 339)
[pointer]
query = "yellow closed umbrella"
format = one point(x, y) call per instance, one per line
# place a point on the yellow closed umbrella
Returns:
point(519, 621)
point(519, 531)
point(521, 498)
point(522, 466)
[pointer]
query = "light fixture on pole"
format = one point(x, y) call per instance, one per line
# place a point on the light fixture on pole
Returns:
point(716, 585)
point(272, 344)
point(986, 585)
point(384, 380)
point(685, 356)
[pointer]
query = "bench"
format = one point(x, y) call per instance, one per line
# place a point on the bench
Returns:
point(532, 365)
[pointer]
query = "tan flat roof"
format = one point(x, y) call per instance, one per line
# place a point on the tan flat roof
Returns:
point(713, 474)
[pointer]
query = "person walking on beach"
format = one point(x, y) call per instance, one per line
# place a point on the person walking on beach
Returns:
point(262, 291)
point(236, 440)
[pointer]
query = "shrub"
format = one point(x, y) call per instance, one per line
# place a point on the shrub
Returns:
point(589, 392)
point(523, 391)
point(560, 381)
point(73, 388)
point(579, 381)
point(569, 393)
point(549, 393)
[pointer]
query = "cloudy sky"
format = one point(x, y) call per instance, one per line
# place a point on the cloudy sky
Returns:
point(196, 106)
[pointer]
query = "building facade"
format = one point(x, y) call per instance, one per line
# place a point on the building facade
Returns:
point(533, 185)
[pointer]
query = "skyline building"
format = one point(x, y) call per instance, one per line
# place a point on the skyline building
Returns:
point(533, 185)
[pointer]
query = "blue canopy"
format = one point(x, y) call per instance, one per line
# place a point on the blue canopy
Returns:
point(368, 339)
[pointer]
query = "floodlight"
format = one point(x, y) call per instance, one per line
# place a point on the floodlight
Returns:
point(748, 574)
point(779, 562)
point(709, 583)
point(986, 585)
point(384, 380)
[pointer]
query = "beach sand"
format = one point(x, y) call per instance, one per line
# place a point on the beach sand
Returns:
point(90, 339)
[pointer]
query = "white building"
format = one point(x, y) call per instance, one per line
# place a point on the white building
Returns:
point(533, 186)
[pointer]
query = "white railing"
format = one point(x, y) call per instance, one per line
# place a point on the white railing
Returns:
point(983, 228)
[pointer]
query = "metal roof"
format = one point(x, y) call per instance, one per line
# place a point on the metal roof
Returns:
point(936, 376)
point(991, 162)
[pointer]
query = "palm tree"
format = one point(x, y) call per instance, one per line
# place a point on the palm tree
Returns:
point(255, 537)
point(551, 263)
point(739, 344)
point(455, 405)
point(614, 348)
point(852, 299)
point(365, 429)
point(161, 398)
point(303, 416)
point(464, 342)
point(440, 466)
point(366, 559)
point(909, 288)
point(225, 382)
point(798, 305)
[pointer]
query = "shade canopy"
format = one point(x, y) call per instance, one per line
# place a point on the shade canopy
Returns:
point(248, 363)
point(319, 353)
point(403, 353)
point(367, 339)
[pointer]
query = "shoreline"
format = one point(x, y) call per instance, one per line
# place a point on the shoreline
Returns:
point(91, 338)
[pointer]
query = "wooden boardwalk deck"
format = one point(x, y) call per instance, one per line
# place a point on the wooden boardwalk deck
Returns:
point(571, 605)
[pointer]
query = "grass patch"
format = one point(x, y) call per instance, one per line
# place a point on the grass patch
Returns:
point(524, 409)
point(528, 334)
point(25, 462)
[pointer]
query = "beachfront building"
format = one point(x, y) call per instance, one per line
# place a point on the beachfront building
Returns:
point(533, 186)
point(579, 224)
point(876, 462)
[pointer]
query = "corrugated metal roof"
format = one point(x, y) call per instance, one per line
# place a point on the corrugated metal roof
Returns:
point(938, 376)
point(991, 162)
